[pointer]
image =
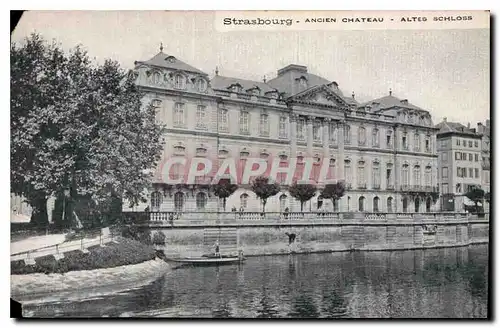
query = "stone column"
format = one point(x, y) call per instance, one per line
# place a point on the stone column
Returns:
point(340, 157)
point(310, 120)
point(293, 135)
point(326, 139)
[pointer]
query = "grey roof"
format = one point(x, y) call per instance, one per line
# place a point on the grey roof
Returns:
point(389, 102)
point(286, 81)
point(445, 127)
point(168, 61)
point(224, 82)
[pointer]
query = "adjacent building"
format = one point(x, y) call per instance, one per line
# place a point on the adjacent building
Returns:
point(485, 132)
point(460, 163)
point(384, 149)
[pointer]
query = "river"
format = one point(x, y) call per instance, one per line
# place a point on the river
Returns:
point(432, 283)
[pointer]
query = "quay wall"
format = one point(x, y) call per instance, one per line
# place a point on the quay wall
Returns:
point(358, 232)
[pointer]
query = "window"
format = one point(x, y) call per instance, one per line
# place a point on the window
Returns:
point(156, 200)
point(405, 205)
point(179, 115)
point(428, 203)
point(464, 143)
point(200, 117)
point(317, 131)
point(470, 144)
point(201, 85)
point(375, 137)
point(332, 131)
point(283, 127)
point(156, 78)
point(361, 175)
point(476, 157)
point(264, 125)
point(201, 201)
point(388, 139)
point(406, 175)
point(335, 205)
point(428, 176)
point(417, 204)
point(445, 188)
point(244, 122)
point(176, 171)
point(347, 171)
point(301, 122)
point(347, 134)
point(244, 201)
point(283, 200)
point(361, 204)
point(417, 175)
point(180, 82)
point(476, 144)
point(389, 204)
point(458, 155)
point(428, 144)
point(444, 158)
point(223, 121)
point(416, 140)
point(236, 88)
point(361, 136)
point(388, 175)
point(405, 141)
point(476, 173)
point(179, 201)
point(458, 142)
point(470, 157)
point(376, 175)
point(444, 173)
point(375, 203)
point(471, 172)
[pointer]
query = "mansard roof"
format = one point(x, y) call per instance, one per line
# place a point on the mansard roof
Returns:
point(390, 102)
point(224, 82)
point(168, 61)
point(454, 127)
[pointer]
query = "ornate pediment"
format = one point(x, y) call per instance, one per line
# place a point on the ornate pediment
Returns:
point(321, 95)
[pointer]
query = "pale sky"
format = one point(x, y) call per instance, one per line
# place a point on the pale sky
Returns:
point(446, 72)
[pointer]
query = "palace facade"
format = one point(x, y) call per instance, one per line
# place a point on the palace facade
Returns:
point(384, 149)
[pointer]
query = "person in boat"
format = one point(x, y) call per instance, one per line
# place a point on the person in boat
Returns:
point(217, 249)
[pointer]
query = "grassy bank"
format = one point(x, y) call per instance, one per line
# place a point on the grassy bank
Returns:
point(124, 252)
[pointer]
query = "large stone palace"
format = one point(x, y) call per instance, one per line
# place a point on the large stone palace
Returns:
point(384, 149)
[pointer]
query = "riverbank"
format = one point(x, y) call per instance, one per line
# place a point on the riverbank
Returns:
point(122, 262)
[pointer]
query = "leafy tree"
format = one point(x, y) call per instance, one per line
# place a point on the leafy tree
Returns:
point(264, 188)
point(223, 190)
point(333, 191)
point(476, 195)
point(79, 128)
point(302, 192)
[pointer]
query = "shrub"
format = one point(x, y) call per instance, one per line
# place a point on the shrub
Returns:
point(159, 238)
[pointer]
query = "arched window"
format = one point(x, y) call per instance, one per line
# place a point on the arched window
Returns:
point(416, 141)
point(406, 175)
point(405, 204)
point(283, 200)
point(416, 175)
point(244, 201)
point(376, 201)
point(361, 135)
point(347, 134)
point(201, 201)
point(180, 82)
point(347, 171)
point(428, 203)
point(404, 141)
point(417, 204)
point(361, 204)
point(179, 201)
point(361, 175)
point(264, 125)
point(156, 200)
point(201, 85)
point(388, 139)
point(320, 202)
point(389, 204)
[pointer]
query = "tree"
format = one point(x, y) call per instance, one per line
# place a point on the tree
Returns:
point(77, 128)
point(476, 195)
point(333, 191)
point(264, 188)
point(223, 190)
point(302, 192)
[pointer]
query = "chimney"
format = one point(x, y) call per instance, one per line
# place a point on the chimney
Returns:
point(480, 127)
point(444, 119)
point(468, 126)
point(353, 95)
point(488, 124)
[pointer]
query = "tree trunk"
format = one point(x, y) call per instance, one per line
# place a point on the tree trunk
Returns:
point(302, 206)
point(39, 215)
point(224, 204)
point(264, 205)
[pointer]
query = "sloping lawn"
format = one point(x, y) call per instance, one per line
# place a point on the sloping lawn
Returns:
point(126, 252)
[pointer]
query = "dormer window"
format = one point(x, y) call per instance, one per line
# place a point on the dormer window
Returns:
point(236, 88)
point(201, 85)
point(254, 91)
point(272, 94)
point(170, 59)
point(180, 81)
point(404, 101)
point(303, 83)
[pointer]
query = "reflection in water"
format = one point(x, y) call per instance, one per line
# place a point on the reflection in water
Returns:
point(450, 283)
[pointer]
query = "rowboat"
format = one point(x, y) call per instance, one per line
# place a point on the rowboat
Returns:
point(207, 259)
